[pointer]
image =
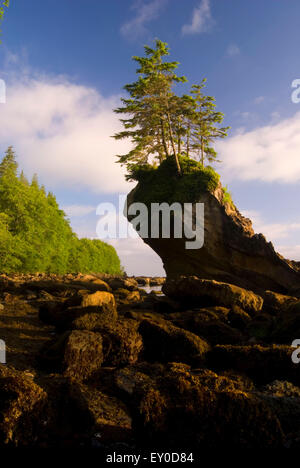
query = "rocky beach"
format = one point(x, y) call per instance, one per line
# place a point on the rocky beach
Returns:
point(97, 362)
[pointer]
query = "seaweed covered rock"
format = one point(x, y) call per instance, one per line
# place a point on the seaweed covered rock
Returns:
point(100, 414)
point(21, 407)
point(274, 302)
point(203, 292)
point(179, 407)
point(122, 342)
point(82, 354)
point(284, 400)
point(287, 327)
point(62, 314)
point(76, 353)
point(166, 342)
point(210, 323)
point(261, 363)
point(123, 283)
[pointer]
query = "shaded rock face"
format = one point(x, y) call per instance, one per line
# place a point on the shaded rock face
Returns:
point(232, 252)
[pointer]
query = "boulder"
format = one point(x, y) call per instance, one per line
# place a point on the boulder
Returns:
point(178, 407)
point(263, 364)
point(76, 353)
point(287, 326)
point(238, 318)
point(22, 404)
point(209, 292)
point(274, 302)
point(284, 400)
point(93, 319)
point(210, 323)
point(100, 414)
point(83, 354)
point(165, 342)
point(125, 296)
point(102, 299)
point(62, 314)
point(122, 343)
point(123, 283)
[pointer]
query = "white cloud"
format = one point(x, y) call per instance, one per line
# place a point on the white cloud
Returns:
point(275, 116)
point(233, 50)
point(202, 20)
point(145, 12)
point(259, 99)
point(62, 131)
point(78, 210)
point(137, 257)
point(292, 252)
point(269, 153)
point(272, 231)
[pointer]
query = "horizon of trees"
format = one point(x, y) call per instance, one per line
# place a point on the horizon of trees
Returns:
point(36, 236)
point(161, 123)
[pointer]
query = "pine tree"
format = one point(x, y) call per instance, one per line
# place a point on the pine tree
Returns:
point(151, 109)
point(3, 4)
point(8, 163)
point(205, 124)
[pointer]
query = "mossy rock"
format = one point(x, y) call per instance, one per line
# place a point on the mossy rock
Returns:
point(165, 342)
point(287, 327)
point(179, 407)
point(210, 324)
point(238, 318)
point(162, 184)
point(98, 413)
point(263, 364)
point(76, 353)
point(22, 405)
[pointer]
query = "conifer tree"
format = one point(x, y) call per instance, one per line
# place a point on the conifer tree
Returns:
point(161, 124)
point(3, 4)
point(205, 124)
point(150, 109)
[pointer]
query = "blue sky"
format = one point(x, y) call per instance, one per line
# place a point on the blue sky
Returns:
point(65, 63)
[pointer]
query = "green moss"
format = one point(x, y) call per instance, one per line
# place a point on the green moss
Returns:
point(227, 198)
point(162, 184)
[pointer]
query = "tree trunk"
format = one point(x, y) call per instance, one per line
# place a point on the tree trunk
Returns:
point(188, 142)
point(163, 136)
point(179, 143)
point(202, 151)
point(173, 145)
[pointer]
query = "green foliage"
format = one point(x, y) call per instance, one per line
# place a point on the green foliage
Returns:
point(3, 4)
point(227, 197)
point(162, 184)
point(35, 235)
point(161, 124)
point(204, 124)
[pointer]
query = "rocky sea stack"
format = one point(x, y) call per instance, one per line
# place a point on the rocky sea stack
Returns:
point(232, 252)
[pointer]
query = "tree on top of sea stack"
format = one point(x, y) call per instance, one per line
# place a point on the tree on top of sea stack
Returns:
point(3, 4)
point(205, 124)
point(162, 124)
